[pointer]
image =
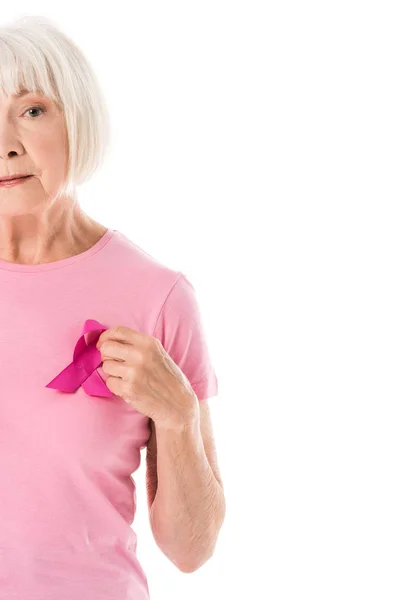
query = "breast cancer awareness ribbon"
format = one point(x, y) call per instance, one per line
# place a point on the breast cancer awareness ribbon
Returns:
point(82, 370)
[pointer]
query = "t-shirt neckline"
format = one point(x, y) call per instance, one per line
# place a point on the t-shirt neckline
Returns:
point(58, 264)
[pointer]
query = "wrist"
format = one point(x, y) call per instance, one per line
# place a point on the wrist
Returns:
point(185, 419)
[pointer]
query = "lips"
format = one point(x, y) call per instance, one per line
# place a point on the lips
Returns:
point(14, 178)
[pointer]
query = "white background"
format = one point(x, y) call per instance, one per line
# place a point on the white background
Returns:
point(256, 147)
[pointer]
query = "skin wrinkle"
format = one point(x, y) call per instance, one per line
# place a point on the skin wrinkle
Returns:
point(189, 505)
point(33, 228)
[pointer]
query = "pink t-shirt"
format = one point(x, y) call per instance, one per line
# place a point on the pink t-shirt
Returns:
point(67, 498)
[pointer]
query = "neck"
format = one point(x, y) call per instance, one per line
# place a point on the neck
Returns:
point(62, 231)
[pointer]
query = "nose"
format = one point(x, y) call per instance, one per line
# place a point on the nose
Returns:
point(7, 153)
point(11, 153)
point(10, 145)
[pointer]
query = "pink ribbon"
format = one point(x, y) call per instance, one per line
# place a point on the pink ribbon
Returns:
point(82, 370)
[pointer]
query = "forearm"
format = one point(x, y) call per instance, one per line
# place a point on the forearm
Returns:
point(189, 506)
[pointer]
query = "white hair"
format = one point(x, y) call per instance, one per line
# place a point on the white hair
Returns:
point(36, 56)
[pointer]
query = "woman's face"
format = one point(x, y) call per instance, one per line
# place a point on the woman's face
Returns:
point(33, 141)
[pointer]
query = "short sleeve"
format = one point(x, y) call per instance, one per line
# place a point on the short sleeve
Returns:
point(180, 329)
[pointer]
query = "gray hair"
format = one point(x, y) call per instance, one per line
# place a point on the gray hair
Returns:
point(36, 56)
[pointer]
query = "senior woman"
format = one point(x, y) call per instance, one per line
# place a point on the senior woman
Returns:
point(102, 353)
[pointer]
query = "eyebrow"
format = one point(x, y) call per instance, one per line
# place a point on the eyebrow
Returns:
point(25, 92)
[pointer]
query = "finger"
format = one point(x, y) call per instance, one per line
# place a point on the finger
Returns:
point(114, 368)
point(122, 334)
point(115, 350)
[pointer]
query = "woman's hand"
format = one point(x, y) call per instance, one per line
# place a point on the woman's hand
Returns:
point(145, 376)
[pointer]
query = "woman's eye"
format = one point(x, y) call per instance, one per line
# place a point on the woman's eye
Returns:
point(36, 108)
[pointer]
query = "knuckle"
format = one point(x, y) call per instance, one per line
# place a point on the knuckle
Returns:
point(131, 376)
point(156, 342)
point(141, 359)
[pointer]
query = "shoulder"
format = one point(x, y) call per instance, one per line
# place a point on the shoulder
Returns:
point(135, 266)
